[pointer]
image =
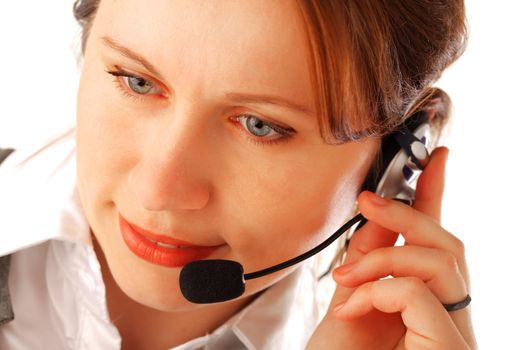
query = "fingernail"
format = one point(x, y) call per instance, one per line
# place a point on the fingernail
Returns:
point(343, 269)
point(442, 149)
point(338, 306)
point(352, 258)
point(378, 200)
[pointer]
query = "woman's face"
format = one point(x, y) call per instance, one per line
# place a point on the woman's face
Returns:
point(206, 143)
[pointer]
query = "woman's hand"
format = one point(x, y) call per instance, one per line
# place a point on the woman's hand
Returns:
point(406, 311)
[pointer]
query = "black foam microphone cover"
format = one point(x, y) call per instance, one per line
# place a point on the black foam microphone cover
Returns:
point(212, 281)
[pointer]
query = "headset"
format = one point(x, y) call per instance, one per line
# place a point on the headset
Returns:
point(404, 154)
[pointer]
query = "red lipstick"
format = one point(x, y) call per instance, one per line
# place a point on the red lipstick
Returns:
point(160, 249)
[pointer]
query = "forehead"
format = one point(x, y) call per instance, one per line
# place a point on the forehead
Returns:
point(260, 45)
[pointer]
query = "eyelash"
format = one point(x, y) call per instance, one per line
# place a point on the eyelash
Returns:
point(285, 133)
point(118, 74)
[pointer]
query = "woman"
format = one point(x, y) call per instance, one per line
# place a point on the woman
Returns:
point(244, 131)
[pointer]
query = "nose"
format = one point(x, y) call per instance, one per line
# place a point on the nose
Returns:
point(172, 171)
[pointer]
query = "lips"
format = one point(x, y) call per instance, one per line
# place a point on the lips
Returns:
point(161, 249)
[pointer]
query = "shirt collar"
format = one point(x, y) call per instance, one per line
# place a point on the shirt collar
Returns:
point(40, 200)
point(284, 316)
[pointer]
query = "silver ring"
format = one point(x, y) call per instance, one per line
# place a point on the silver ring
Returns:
point(460, 305)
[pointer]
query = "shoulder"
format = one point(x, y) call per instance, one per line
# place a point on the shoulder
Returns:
point(57, 295)
point(39, 199)
point(43, 154)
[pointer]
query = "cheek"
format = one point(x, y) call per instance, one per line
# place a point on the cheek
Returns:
point(285, 208)
point(103, 148)
point(102, 129)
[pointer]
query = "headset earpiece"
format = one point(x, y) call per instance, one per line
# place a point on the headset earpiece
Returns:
point(403, 156)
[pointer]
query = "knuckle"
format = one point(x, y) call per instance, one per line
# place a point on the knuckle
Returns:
point(449, 261)
point(458, 246)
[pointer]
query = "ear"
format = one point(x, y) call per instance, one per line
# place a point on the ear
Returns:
point(433, 107)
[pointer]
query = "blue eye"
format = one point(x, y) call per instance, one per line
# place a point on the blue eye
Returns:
point(138, 85)
point(134, 86)
point(263, 132)
point(256, 126)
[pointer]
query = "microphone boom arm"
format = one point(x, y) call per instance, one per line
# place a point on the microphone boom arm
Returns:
point(309, 253)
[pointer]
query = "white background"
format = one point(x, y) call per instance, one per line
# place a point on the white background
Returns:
point(483, 202)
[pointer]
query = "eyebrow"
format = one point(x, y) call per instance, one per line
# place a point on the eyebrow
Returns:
point(232, 96)
point(266, 99)
point(124, 51)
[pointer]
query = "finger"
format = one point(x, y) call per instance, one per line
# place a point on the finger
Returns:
point(421, 230)
point(416, 227)
point(412, 298)
point(431, 184)
point(369, 237)
point(439, 269)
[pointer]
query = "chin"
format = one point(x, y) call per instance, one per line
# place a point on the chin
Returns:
point(150, 285)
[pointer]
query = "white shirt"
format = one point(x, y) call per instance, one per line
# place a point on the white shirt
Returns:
point(57, 290)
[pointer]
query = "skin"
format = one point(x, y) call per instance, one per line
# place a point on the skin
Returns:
point(406, 311)
point(178, 161)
